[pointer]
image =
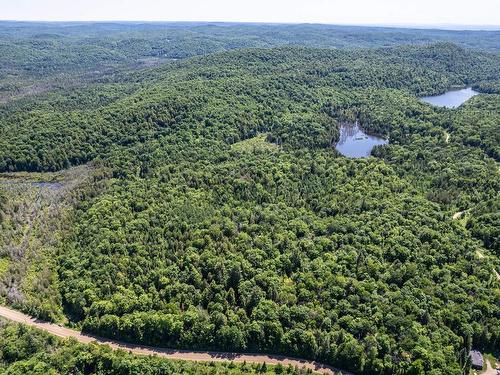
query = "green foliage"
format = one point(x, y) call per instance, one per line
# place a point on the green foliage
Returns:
point(277, 253)
point(484, 223)
point(40, 57)
point(230, 222)
point(290, 93)
point(25, 350)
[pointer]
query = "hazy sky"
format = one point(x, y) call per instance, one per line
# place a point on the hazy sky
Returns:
point(458, 12)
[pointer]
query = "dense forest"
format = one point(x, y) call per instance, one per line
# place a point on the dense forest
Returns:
point(227, 97)
point(200, 203)
point(25, 350)
point(40, 57)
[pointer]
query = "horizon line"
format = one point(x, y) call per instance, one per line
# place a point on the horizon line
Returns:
point(425, 26)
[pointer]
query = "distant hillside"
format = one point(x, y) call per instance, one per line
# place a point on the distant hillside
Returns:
point(37, 57)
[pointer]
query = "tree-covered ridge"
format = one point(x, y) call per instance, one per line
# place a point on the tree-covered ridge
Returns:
point(230, 222)
point(38, 49)
point(231, 96)
point(42, 57)
point(25, 350)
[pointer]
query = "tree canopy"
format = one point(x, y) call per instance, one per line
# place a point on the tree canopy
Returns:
point(226, 220)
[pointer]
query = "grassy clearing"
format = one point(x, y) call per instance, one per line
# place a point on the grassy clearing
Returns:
point(258, 143)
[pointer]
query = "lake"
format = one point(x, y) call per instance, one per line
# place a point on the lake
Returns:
point(355, 143)
point(450, 99)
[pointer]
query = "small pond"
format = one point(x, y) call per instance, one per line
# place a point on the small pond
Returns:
point(355, 143)
point(450, 99)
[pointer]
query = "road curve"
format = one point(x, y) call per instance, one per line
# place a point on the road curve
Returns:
point(175, 354)
point(489, 369)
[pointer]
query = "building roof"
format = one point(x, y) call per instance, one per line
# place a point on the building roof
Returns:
point(476, 358)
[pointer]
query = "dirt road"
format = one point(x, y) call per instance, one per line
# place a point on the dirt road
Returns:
point(489, 369)
point(54, 329)
point(446, 137)
point(458, 215)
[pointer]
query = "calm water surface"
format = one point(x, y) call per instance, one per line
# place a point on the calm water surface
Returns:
point(450, 99)
point(355, 143)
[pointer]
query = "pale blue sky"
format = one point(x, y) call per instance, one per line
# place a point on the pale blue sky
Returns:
point(414, 12)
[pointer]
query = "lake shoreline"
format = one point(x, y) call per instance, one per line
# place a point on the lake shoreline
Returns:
point(451, 99)
point(355, 142)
